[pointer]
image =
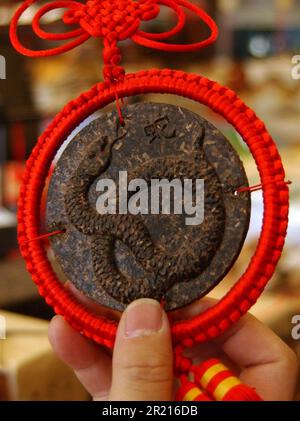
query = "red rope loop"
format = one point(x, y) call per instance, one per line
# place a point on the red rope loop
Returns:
point(114, 21)
point(243, 295)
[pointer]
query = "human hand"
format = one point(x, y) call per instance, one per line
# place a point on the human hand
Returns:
point(141, 367)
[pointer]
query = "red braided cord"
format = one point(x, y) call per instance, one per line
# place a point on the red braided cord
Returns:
point(255, 188)
point(47, 235)
point(225, 102)
point(79, 36)
point(146, 41)
point(113, 20)
point(54, 36)
point(250, 189)
point(181, 18)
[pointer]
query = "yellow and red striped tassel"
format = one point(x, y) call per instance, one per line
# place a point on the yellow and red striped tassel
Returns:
point(221, 384)
point(189, 392)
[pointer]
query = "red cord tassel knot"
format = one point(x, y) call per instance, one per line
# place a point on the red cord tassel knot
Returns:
point(99, 18)
point(221, 384)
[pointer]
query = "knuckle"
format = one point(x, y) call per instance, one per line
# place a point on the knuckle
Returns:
point(152, 370)
point(290, 360)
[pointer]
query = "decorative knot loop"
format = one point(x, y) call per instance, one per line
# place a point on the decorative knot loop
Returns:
point(100, 18)
point(114, 21)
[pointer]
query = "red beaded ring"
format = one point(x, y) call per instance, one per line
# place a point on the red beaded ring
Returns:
point(243, 295)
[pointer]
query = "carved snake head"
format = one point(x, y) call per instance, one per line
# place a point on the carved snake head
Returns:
point(97, 157)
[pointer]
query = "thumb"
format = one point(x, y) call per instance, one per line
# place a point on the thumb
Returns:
point(142, 358)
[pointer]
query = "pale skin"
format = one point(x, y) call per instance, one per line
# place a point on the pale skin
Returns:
point(140, 367)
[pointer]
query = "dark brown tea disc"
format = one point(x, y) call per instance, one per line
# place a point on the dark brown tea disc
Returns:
point(167, 252)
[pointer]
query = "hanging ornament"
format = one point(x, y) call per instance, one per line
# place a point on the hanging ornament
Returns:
point(116, 258)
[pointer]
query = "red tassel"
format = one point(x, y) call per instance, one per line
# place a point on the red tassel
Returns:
point(221, 384)
point(242, 392)
point(189, 392)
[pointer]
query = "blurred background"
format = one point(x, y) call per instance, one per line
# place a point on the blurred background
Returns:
point(256, 55)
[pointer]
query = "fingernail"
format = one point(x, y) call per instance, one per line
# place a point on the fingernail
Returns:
point(55, 317)
point(143, 317)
